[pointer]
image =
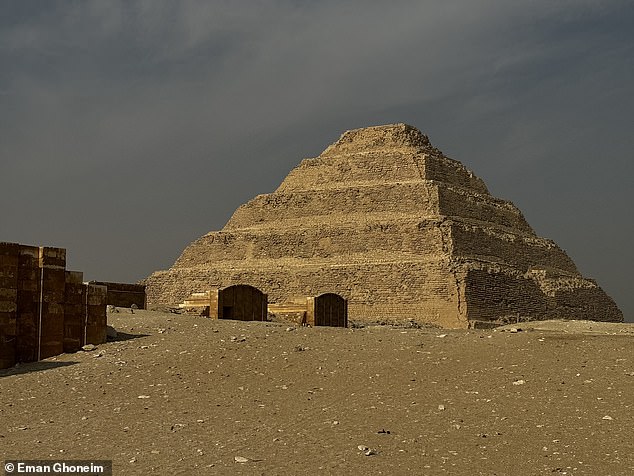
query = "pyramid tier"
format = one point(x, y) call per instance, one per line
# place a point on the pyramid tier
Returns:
point(423, 288)
point(357, 169)
point(352, 203)
point(406, 238)
point(498, 295)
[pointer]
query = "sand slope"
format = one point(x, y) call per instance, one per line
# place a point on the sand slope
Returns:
point(553, 400)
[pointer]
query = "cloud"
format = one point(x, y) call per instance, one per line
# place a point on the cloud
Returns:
point(162, 117)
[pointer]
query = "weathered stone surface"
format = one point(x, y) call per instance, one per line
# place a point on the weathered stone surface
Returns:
point(384, 219)
point(124, 294)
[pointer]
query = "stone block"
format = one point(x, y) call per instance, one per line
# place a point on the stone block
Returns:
point(49, 257)
point(8, 331)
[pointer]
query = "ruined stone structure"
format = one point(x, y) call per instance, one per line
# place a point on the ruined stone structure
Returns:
point(384, 219)
point(124, 294)
point(44, 309)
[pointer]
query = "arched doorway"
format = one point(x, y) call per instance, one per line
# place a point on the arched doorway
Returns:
point(241, 302)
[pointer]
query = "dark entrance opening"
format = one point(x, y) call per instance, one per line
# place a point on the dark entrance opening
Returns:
point(242, 302)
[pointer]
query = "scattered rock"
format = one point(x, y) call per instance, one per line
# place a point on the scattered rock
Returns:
point(143, 396)
point(441, 335)
point(441, 408)
point(411, 323)
point(241, 459)
point(383, 431)
point(134, 306)
point(515, 330)
point(519, 382)
point(607, 417)
point(89, 347)
point(366, 451)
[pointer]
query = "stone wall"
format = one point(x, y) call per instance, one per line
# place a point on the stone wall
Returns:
point(124, 294)
point(496, 295)
point(8, 302)
point(501, 296)
point(422, 290)
point(74, 311)
point(44, 309)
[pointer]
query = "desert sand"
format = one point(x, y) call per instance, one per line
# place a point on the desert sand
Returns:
point(187, 395)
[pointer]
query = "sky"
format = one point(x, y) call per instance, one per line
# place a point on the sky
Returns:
point(130, 128)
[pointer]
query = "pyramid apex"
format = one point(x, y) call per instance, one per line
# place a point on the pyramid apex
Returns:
point(380, 137)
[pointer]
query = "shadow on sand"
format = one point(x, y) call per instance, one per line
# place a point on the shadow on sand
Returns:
point(25, 368)
point(122, 336)
point(28, 367)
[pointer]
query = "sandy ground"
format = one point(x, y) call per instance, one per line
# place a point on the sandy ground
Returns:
point(187, 395)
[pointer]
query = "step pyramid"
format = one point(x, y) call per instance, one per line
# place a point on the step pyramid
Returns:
point(403, 232)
